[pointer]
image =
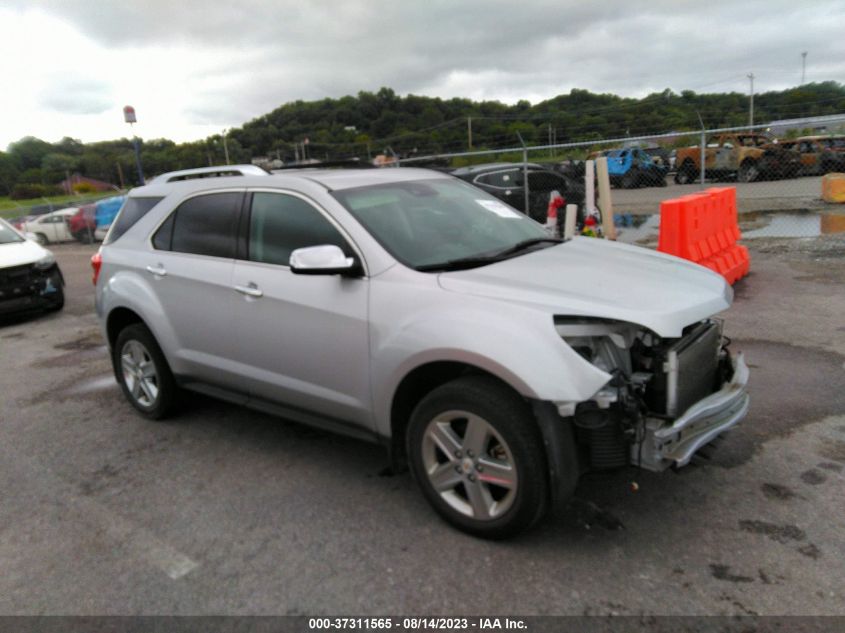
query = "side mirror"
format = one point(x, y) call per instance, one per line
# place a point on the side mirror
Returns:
point(322, 260)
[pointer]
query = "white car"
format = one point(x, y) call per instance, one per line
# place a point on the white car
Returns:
point(52, 227)
point(29, 275)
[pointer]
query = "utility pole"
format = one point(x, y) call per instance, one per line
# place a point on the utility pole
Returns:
point(803, 66)
point(129, 117)
point(225, 146)
point(751, 103)
point(469, 132)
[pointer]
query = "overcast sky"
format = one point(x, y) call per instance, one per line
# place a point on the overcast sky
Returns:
point(192, 68)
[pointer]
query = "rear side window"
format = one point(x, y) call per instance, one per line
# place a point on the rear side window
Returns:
point(203, 225)
point(279, 224)
point(502, 179)
point(133, 210)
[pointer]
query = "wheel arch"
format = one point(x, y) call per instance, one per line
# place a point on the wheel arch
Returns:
point(118, 319)
point(413, 387)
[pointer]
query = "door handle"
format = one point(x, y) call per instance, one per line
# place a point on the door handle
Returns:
point(157, 270)
point(250, 291)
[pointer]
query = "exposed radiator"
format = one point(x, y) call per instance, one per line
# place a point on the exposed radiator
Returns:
point(691, 367)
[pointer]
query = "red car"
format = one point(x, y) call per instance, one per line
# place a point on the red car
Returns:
point(83, 224)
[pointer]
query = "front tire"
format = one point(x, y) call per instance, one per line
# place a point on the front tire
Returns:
point(686, 174)
point(630, 180)
point(476, 452)
point(143, 373)
point(748, 171)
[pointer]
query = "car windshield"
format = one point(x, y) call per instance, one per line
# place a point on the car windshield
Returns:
point(426, 224)
point(8, 235)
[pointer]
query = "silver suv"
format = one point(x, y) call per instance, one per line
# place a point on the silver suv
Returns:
point(407, 307)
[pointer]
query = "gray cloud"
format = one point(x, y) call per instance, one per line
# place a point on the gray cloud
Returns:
point(496, 49)
point(71, 95)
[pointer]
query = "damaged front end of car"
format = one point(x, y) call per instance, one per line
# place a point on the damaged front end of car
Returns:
point(664, 399)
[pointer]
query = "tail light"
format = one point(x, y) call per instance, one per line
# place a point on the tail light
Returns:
point(96, 264)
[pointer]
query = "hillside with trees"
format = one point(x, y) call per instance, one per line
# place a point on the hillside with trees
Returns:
point(383, 122)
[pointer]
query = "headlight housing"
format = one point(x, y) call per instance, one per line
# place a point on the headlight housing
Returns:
point(48, 261)
point(602, 342)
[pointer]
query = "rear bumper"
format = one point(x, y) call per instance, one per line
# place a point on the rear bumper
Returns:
point(675, 444)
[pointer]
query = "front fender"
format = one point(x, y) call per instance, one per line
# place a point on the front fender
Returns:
point(518, 345)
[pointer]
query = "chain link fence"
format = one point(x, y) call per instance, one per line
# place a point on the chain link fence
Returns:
point(82, 228)
point(777, 168)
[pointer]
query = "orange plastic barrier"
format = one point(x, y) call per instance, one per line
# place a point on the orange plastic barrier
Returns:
point(703, 228)
point(833, 188)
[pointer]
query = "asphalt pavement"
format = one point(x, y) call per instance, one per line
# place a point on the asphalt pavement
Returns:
point(222, 510)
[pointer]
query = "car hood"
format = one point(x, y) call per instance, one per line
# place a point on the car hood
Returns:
point(598, 278)
point(20, 253)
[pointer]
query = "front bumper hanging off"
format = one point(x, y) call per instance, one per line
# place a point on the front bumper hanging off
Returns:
point(674, 444)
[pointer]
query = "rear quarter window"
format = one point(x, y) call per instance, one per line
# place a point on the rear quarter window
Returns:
point(133, 210)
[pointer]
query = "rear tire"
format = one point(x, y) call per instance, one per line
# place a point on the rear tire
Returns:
point(477, 454)
point(143, 373)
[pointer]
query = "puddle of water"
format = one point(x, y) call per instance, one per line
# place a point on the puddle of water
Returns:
point(635, 229)
point(792, 225)
point(95, 384)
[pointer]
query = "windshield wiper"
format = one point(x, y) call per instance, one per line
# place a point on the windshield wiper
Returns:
point(525, 244)
point(483, 259)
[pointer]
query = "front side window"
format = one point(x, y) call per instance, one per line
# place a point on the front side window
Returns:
point(202, 225)
point(546, 181)
point(280, 223)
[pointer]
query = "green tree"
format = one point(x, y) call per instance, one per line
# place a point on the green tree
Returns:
point(8, 173)
point(55, 167)
point(29, 152)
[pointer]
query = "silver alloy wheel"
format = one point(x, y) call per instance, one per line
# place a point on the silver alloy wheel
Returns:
point(469, 465)
point(139, 373)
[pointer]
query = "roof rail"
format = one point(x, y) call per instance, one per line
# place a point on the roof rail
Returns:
point(352, 163)
point(210, 172)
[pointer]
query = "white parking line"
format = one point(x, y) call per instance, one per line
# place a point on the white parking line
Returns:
point(116, 533)
point(138, 542)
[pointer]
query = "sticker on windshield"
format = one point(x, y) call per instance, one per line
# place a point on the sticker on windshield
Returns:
point(499, 208)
